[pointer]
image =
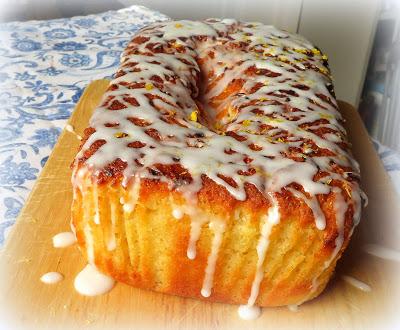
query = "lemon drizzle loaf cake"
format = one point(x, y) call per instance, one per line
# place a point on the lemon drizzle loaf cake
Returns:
point(217, 166)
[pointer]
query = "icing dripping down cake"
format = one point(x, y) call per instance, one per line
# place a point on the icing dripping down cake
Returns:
point(216, 166)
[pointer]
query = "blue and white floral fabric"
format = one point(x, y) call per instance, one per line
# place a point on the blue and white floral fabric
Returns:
point(391, 161)
point(44, 67)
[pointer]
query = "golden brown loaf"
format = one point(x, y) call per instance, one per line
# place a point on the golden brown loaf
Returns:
point(217, 167)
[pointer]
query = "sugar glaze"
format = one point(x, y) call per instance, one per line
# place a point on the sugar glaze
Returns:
point(272, 133)
point(64, 239)
point(91, 282)
point(52, 277)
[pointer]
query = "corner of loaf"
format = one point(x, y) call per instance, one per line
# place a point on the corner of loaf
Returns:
point(216, 167)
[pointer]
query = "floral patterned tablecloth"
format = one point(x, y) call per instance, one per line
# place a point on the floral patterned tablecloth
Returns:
point(44, 67)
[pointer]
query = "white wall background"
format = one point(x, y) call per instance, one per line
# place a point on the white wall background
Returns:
point(281, 13)
point(343, 29)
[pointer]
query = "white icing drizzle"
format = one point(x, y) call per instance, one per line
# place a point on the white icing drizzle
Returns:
point(357, 195)
point(177, 213)
point(218, 227)
point(340, 207)
point(96, 205)
point(265, 48)
point(111, 242)
point(197, 219)
point(195, 231)
point(73, 229)
point(280, 127)
point(64, 239)
point(293, 308)
point(89, 243)
point(52, 278)
point(90, 282)
point(78, 176)
point(382, 252)
point(364, 197)
point(356, 283)
point(268, 222)
point(313, 204)
point(129, 205)
point(249, 313)
point(70, 128)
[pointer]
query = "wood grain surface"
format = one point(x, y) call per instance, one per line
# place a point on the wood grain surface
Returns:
point(27, 303)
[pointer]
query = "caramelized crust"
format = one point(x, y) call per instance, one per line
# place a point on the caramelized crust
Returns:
point(217, 167)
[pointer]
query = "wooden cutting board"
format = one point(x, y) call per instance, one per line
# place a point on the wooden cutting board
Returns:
point(28, 303)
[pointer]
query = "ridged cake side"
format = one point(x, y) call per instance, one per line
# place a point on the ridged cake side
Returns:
point(146, 246)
